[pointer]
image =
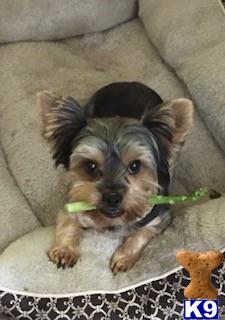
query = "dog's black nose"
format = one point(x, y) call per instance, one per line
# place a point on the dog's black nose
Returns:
point(112, 200)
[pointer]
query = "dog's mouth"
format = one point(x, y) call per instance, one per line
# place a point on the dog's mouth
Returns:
point(112, 212)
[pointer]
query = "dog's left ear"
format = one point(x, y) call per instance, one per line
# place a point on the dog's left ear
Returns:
point(169, 123)
point(62, 119)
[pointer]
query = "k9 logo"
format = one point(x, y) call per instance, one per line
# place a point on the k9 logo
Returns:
point(200, 309)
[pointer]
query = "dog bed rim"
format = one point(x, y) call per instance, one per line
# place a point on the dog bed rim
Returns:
point(95, 292)
point(91, 292)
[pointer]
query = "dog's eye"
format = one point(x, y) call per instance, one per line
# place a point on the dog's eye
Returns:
point(134, 167)
point(90, 167)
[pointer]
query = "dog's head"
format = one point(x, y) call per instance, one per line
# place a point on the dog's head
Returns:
point(115, 163)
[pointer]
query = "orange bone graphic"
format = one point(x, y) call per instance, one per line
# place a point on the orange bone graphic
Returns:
point(200, 265)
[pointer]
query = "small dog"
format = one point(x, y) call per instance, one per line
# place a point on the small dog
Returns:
point(118, 149)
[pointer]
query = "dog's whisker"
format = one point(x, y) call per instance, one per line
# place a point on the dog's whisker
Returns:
point(155, 184)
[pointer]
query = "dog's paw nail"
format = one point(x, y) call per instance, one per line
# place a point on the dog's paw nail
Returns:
point(121, 262)
point(63, 257)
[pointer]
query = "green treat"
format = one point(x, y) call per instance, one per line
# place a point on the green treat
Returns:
point(153, 199)
point(78, 206)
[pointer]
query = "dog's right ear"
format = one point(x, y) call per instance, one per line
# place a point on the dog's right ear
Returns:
point(62, 119)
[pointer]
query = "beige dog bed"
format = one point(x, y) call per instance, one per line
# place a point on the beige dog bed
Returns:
point(178, 49)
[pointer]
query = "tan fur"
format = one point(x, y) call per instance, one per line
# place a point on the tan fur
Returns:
point(86, 152)
point(84, 191)
point(183, 117)
point(140, 187)
point(65, 251)
point(178, 116)
point(182, 112)
point(96, 220)
point(136, 151)
point(46, 101)
point(131, 249)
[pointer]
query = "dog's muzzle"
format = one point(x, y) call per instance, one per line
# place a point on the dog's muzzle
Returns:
point(111, 206)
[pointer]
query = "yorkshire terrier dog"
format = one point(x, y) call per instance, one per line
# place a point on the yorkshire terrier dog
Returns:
point(118, 149)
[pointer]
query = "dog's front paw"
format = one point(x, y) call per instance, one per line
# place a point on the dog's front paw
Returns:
point(63, 256)
point(121, 261)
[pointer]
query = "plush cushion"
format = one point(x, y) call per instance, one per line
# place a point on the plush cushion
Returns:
point(52, 19)
point(16, 216)
point(198, 60)
point(209, 66)
point(180, 29)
